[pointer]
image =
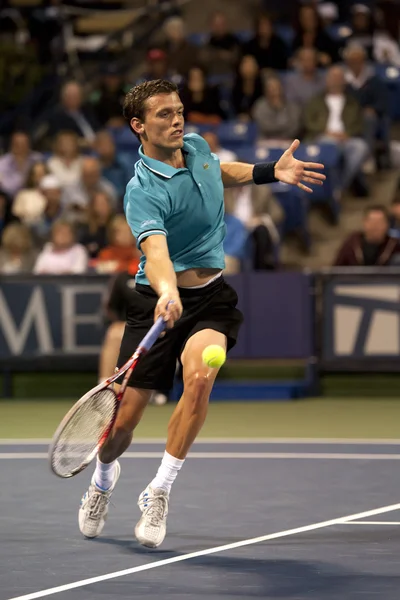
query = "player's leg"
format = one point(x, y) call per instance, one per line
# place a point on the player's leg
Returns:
point(184, 426)
point(110, 349)
point(94, 504)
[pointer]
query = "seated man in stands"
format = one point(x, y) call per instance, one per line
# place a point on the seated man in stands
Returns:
point(276, 117)
point(306, 81)
point(372, 246)
point(77, 197)
point(71, 115)
point(335, 116)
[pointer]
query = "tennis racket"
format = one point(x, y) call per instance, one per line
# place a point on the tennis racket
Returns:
point(86, 426)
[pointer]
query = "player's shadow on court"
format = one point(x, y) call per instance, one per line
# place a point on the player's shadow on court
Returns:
point(131, 546)
point(257, 578)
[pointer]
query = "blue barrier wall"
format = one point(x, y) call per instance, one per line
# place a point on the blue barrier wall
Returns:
point(62, 317)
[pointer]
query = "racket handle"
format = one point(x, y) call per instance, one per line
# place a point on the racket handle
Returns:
point(152, 336)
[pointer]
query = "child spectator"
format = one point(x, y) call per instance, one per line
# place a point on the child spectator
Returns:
point(121, 254)
point(62, 255)
point(16, 254)
point(66, 163)
point(29, 203)
point(93, 234)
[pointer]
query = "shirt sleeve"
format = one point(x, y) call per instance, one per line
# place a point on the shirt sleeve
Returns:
point(145, 214)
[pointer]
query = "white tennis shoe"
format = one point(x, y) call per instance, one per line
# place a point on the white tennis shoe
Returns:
point(151, 528)
point(94, 507)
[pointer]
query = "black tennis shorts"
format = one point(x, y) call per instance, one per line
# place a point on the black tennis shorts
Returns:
point(210, 307)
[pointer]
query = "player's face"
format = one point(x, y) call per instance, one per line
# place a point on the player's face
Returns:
point(163, 123)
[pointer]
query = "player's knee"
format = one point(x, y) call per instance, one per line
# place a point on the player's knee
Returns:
point(197, 388)
point(115, 332)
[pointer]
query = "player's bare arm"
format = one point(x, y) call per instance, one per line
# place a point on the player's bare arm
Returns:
point(287, 169)
point(162, 278)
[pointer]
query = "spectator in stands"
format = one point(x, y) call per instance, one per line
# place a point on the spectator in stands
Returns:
point(269, 50)
point(77, 197)
point(247, 88)
point(93, 234)
point(51, 189)
point(116, 168)
point(6, 215)
point(386, 48)
point(372, 94)
point(363, 28)
point(335, 116)
point(374, 36)
point(71, 115)
point(306, 81)
point(181, 53)
point(310, 34)
point(28, 205)
point(66, 162)
point(157, 66)
point(16, 252)
point(62, 255)
point(202, 102)
point(277, 119)
point(261, 214)
point(15, 165)
point(372, 246)
point(107, 100)
point(223, 48)
point(121, 254)
point(223, 154)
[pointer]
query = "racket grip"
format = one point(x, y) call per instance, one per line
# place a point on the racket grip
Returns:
point(152, 336)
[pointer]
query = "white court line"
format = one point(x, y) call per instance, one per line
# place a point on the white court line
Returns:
point(229, 455)
point(206, 552)
point(372, 523)
point(219, 440)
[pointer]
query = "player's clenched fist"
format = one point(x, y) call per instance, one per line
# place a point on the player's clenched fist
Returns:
point(169, 306)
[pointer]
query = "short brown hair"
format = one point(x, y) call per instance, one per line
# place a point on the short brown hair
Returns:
point(17, 237)
point(135, 99)
point(376, 208)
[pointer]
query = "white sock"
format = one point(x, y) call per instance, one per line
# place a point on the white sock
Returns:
point(104, 474)
point(167, 472)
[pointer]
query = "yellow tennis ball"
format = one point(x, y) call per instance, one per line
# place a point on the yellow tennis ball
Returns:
point(214, 356)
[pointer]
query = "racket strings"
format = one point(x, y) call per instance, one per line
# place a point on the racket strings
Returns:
point(82, 433)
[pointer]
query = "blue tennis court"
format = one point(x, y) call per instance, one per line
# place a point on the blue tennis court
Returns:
point(284, 520)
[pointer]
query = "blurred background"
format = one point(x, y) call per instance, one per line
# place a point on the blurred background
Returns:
point(318, 276)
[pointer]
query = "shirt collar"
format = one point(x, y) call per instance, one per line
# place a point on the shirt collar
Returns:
point(161, 168)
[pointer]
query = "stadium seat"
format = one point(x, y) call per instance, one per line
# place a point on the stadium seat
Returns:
point(391, 77)
point(124, 139)
point(329, 155)
point(285, 32)
point(234, 134)
point(339, 31)
point(199, 38)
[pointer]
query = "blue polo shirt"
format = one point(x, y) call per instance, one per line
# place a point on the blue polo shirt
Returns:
point(186, 205)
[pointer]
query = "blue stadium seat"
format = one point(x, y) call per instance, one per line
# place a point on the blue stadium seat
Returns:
point(286, 32)
point(244, 35)
point(330, 156)
point(339, 31)
point(234, 134)
point(199, 38)
point(124, 139)
point(252, 154)
point(391, 77)
point(200, 129)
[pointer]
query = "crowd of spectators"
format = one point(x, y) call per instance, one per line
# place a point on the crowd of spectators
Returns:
point(61, 197)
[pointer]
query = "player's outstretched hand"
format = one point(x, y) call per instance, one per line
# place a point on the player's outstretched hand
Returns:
point(169, 306)
point(295, 172)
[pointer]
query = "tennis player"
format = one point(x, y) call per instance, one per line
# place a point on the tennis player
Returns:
point(175, 207)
